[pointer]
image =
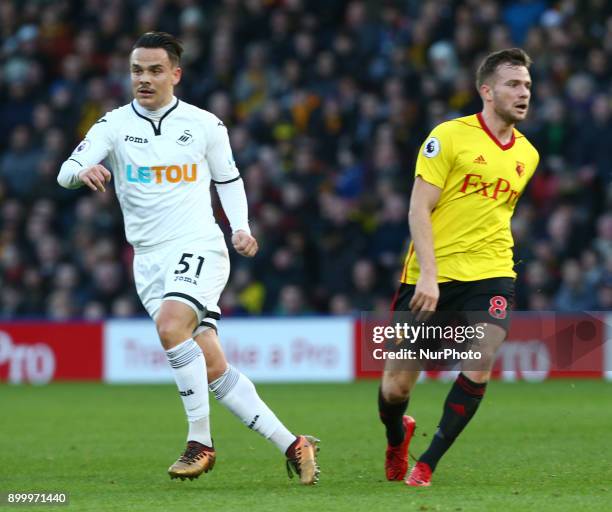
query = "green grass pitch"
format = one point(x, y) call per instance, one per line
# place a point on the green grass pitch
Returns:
point(531, 447)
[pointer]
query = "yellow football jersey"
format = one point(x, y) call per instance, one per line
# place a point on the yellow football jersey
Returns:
point(481, 181)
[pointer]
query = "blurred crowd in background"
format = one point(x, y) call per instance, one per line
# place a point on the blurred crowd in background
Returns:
point(327, 103)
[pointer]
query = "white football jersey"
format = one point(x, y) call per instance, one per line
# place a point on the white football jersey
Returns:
point(161, 169)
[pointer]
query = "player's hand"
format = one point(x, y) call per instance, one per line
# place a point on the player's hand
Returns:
point(95, 177)
point(425, 298)
point(245, 244)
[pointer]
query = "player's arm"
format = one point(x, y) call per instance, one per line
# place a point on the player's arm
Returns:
point(230, 188)
point(234, 203)
point(424, 198)
point(83, 167)
point(434, 163)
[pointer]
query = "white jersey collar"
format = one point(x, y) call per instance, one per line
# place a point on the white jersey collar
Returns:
point(154, 115)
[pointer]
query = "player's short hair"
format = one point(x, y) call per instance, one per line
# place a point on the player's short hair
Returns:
point(510, 56)
point(173, 47)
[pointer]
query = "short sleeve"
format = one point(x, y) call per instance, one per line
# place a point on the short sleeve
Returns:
point(435, 158)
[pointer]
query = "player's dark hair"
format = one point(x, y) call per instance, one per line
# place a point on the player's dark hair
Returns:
point(510, 56)
point(173, 47)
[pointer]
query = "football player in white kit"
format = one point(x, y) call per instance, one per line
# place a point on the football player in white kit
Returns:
point(163, 154)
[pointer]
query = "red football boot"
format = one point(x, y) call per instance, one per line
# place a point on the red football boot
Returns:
point(396, 457)
point(420, 476)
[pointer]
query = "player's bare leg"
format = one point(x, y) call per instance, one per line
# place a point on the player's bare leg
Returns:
point(494, 337)
point(236, 392)
point(175, 323)
point(460, 406)
point(393, 397)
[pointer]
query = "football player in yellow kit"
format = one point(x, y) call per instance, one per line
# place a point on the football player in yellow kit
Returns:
point(469, 176)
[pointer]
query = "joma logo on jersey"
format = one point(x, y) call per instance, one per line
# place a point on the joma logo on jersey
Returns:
point(137, 140)
point(161, 173)
point(497, 190)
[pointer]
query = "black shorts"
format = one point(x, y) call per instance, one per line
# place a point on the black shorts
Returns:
point(494, 296)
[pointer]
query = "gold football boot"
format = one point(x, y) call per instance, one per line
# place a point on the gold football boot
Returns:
point(302, 458)
point(196, 459)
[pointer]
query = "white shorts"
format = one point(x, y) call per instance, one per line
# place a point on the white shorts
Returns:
point(192, 272)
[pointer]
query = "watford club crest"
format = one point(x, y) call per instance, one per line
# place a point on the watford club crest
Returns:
point(520, 168)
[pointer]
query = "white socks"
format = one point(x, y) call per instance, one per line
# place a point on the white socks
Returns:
point(189, 368)
point(236, 392)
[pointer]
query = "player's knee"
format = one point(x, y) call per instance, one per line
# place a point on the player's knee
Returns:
point(171, 331)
